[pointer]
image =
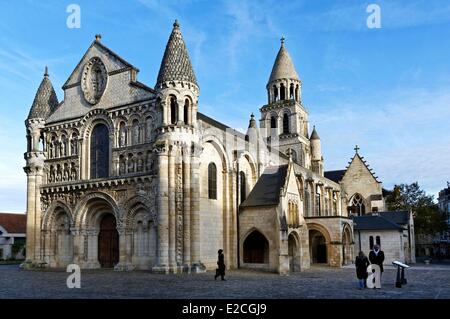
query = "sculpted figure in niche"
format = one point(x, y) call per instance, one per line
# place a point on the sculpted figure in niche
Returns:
point(136, 133)
point(74, 145)
point(123, 136)
point(130, 164)
point(51, 150)
point(140, 164)
point(73, 172)
point(149, 162)
point(63, 149)
point(66, 172)
point(122, 166)
point(58, 174)
point(148, 129)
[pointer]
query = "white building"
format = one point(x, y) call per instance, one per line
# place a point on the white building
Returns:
point(12, 235)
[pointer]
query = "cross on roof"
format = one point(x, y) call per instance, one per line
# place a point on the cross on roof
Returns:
point(356, 148)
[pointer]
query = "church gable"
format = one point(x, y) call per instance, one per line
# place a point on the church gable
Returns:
point(359, 179)
point(101, 79)
point(112, 61)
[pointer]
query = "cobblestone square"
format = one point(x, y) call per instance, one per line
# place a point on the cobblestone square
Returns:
point(424, 282)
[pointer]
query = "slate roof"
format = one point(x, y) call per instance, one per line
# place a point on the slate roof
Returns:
point(45, 102)
point(335, 176)
point(267, 190)
point(314, 135)
point(398, 217)
point(176, 65)
point(218, 124)
point(14, 223)
point(374, 222)
point(283, 68)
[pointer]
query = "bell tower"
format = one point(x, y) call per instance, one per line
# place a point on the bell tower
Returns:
point(284, 119)
point(178, 152)
point(45, 103)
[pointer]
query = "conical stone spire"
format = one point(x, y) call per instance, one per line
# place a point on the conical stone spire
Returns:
point(252, 122)
point(45, 101)
point(176, 65)
point(314, 135)
point(283, 68)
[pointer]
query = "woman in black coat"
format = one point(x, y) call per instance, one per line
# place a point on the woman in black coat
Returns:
point(220, 271)
point(361, 264)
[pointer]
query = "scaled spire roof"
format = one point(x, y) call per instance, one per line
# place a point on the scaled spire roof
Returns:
point(176, 65)
point(45, 102)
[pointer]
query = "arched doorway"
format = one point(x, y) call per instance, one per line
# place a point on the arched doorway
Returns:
point(256, 249)
point(108, 242)
point(294, 254)
point(346, 246)
point(318, 246)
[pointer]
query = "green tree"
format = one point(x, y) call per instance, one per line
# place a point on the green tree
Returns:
point(427, 218)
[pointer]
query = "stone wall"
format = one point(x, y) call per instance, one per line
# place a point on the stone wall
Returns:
point(392, 244)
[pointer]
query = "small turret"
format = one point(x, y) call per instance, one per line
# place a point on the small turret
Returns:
point(316, 152)
point(176, 84)
point(45, 102)
point(252, 131)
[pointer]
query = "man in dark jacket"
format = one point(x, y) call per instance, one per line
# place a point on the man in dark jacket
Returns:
point(220, 271)
point(376, 256)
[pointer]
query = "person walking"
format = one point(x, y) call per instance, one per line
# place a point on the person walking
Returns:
point(220, 271)
point(361, 264)
point(376, 256)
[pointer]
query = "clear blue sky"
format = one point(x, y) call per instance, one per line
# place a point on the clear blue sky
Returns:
point(387, 90)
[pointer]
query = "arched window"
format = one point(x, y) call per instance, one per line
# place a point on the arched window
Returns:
point(186, 111)
point(357, 205)
point(212, 181)
point(371, 242)
point(275, 93)
point(242, 184)
point(273, 122)
point(297, 95)
point(285, 123)
point(307, 202)
point(378, 241)
point(291, 91)
point(173, 110)
point(318, 201)
point(99, 151)
point(282, 92)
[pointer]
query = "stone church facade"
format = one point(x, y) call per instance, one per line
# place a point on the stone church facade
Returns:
point(123, 175)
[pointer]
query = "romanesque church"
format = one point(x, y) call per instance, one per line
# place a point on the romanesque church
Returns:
point(127, 176)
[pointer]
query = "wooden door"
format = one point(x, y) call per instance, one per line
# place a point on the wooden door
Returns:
point(108, 242)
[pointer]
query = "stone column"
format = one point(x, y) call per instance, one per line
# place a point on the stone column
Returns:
point(78, 246)
point(195, 212)
point(163, 213)
point(180, 111)
point(172, 211)
point(92, 257)
point(186, 210)
point(31, 215)
point(124, 250)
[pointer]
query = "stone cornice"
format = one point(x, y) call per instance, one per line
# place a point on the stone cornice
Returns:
point(86, 185)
